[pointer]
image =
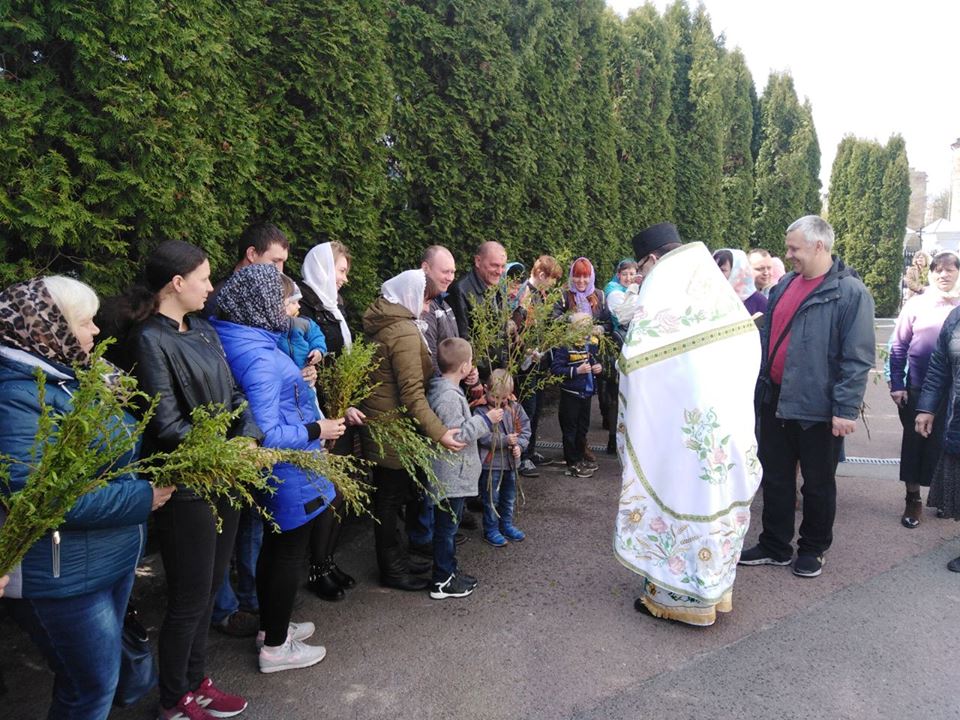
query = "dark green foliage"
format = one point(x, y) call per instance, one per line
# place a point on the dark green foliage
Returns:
point(739, 96)
point(647, 152)
point(869, 201)
point(788, 164)
point(549, 125)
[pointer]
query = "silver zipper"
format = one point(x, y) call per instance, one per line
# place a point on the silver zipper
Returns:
point(56, 553)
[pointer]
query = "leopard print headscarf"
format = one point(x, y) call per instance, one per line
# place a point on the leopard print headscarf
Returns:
point(30, 320)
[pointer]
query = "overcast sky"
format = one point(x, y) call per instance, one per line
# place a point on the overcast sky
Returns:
point(869, 68)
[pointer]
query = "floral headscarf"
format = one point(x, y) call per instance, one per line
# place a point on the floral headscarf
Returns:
point(582, 299)
point(31, 320)
point(254, 296)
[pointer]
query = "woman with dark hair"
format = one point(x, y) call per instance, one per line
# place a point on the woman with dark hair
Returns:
point(724, 260)
point(913, 342)
point(178, 358)
point(70, 591)
point(252, 318)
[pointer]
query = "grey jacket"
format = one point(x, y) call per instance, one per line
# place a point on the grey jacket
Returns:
point(831, 350)
point(459, 474)
point(441, 324)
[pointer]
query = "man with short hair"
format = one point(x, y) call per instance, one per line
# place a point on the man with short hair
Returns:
point(818, 349)
point(489, 264)
point(259, 244)
point(762, 265)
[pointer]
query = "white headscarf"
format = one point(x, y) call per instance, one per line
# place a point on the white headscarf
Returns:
point(320, 275)
point(407, 290)
point(741, 274)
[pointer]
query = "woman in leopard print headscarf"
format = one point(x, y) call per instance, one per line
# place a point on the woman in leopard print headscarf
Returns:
point(70, 592)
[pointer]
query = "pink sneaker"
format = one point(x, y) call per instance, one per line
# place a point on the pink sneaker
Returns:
point(186, 709)
point(218, 703)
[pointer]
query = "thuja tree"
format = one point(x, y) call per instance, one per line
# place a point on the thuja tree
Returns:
point(788, 164)
point(646, 152)
point(738, 94)
point(121, 123)
point(455, 171)
point(697, 121)
point(869, 201)
point(323, 95)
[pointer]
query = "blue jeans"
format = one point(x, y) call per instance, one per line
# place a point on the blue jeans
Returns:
point(444, 546)
point(80, 639)
point(246, 551)
point(419, 523)
point(498, 489)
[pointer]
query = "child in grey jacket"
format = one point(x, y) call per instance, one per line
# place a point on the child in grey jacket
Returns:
point(500, 453)
point(457, 476)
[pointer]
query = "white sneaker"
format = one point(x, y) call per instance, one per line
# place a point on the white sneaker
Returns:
point(295, 631)
point(291, 655)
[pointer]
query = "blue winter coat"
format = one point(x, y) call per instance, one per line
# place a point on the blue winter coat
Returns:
point(282, 405)
point(102, 536)
point(303, 337)
point(565, 362)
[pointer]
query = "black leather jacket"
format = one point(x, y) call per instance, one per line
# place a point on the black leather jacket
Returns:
point(185, 369)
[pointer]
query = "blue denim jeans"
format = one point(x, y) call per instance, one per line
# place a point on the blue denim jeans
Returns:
point(419, 524)
point(246, 551)
point(80, 639)
point(498, 490)
point(444, 546)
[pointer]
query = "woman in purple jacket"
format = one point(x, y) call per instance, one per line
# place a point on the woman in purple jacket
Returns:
point(913, 342)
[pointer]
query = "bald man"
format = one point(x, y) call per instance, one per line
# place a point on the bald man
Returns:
point(441, 323)
point(488, 266)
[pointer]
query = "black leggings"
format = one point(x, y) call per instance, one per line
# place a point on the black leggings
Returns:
point(195, 559)
point(279, 570)
point(326, 532)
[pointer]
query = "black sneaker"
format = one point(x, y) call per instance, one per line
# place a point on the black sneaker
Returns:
point(528, 469)
point(758, 556)
point(540, 461)
point(808, 565)
point(578, 470)
point(468, 579)
point(589, 464)
point(454, 586)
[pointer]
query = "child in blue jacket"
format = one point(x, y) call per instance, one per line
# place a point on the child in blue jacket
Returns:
point(304, 341)
point(579, 367)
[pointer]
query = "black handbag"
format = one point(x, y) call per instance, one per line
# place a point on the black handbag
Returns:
point(138, 668)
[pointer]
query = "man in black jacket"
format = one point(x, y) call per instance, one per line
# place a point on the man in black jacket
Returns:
point(488, 266)
point(818, 349)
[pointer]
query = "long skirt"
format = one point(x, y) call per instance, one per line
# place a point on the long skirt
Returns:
point(945, 488)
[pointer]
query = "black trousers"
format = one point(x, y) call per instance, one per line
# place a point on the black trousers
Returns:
point(783, 444)
point(195, 559)
point(574, 416)
point(279, 572)
point(392, 489)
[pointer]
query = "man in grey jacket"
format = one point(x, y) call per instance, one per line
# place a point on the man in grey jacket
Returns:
point(818, 349)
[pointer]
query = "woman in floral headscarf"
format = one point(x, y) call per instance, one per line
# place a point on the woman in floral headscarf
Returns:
point(252, 317)
point(70, 592)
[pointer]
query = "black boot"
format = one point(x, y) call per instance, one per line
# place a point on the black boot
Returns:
point(323, 584)
point(419, 565)
point(342, 579)
point(395, 573)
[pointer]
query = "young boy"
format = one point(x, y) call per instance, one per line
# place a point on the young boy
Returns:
point(500, 453)
point(304, 341)
point(578, 366)
point(457, 478)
